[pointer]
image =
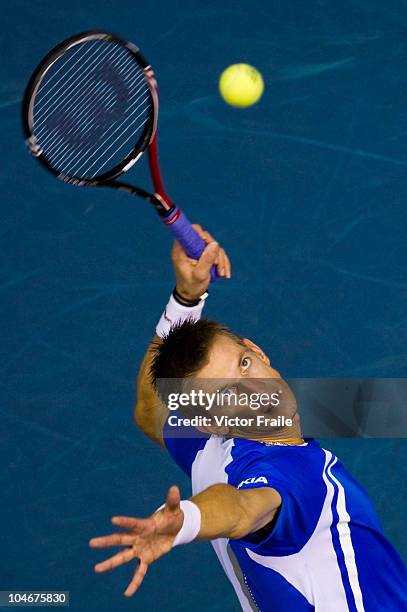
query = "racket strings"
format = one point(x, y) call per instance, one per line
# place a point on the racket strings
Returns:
point(80, 100)
point(82, 111)
point(91, 104)
point(67, 61)
point(89, 107)
point(67, 156)
point(122, 144)
point(45, 103)
point(79, 157)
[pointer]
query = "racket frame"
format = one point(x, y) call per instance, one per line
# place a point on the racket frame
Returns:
point(149, 130)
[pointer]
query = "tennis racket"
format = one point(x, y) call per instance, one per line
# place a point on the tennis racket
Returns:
point(90, 110)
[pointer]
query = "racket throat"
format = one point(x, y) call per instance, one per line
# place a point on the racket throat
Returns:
point(162, 206)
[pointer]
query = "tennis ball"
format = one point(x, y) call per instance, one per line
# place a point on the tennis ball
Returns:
point(241, 85)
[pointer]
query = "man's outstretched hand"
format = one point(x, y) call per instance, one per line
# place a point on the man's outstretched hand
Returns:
point(193, 276)
point(145, 539)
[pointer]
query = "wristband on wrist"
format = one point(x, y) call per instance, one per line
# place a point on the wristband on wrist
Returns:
point(191, 525)
point(177, 313)
point(184, 301)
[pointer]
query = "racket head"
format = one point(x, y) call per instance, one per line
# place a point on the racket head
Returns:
point(90, 108)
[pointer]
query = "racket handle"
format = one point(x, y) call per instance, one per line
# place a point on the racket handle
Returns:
point(189, 239)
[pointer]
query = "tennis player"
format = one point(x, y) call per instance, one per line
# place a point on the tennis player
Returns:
point(291, 528)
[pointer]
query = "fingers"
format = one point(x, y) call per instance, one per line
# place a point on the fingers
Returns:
point(228, 266)
point(204, 234)
point(223, 266)
point(115, 539)
point(128, 522)
point(138, 578)
point(120, 558)
point(206, 261)
point(177, 251)
point(173, 498)
point(222, 262)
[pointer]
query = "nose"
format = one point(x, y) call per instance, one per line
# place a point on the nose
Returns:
point(273, 384)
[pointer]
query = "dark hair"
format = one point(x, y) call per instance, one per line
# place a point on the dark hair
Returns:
point(185, 349)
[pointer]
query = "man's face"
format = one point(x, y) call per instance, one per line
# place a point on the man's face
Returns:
point(245, 371)
point(229, 360)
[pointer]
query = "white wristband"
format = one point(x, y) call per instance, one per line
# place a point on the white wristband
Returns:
point(176, 313)
point(191, 525)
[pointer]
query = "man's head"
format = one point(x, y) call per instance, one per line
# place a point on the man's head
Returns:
point(208, 349)
point(204, 351)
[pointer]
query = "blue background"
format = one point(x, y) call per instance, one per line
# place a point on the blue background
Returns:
point(306, 190)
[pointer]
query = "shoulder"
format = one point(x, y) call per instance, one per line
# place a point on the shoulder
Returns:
point(284, 462)
point(183, 445)
point(297, 474)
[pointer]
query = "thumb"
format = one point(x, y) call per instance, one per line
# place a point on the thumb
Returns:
point(173, 498)
point(207, 260)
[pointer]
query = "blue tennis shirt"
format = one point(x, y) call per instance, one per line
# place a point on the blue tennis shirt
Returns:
point(325, 551)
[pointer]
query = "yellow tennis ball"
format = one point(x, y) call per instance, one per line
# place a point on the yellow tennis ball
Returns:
point(241, 85)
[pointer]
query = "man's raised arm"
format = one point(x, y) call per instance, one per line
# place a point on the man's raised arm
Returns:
point(150, 413)
point(192, 281)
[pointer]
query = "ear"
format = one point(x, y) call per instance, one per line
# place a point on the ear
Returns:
point(256, 349)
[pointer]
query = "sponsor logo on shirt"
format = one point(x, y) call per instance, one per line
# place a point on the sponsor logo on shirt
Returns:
point(253, 480)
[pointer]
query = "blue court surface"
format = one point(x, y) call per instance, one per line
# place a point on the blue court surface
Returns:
point(306, 190)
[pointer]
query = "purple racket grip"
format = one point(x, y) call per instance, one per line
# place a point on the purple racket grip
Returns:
point(191, 242)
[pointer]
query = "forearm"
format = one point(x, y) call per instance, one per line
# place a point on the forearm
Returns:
point(227, 512)
point(150, 413)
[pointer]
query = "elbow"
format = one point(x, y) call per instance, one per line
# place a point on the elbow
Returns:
point(241, 528)
point(138, 417)
point(146, 425)
point(241, 522)
point(252, 514)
